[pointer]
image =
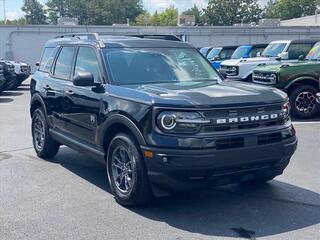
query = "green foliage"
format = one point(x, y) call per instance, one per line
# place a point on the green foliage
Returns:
point(198, 13)
point(229, 12)
point(113, 11)
point(34, 12)
point(19, 21)
point(288, 9)
point(169, 17)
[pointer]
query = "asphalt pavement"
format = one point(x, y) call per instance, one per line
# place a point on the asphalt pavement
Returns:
point(69, 198)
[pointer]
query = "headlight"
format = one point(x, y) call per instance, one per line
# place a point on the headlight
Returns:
point(286, 107)
point(180, 122)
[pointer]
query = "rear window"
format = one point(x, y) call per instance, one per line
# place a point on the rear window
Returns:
point(64, 63)
point(47, 59)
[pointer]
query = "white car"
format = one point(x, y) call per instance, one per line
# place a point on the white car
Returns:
point(21, 69)
point(277, 52)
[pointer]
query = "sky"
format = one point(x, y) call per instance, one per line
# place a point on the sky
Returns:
point(13, 7)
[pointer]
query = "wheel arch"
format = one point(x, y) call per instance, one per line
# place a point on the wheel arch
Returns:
point(119, 123)
point(36, 102)
point(302, 81)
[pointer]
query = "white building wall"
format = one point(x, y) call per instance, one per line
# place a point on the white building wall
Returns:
point(26, 42)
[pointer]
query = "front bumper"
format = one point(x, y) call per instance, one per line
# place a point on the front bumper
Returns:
point(182, 169)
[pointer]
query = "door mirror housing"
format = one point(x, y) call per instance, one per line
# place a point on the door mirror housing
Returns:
point(84, 79)
point(283, 56)
point(301, 58)
point(258, 54)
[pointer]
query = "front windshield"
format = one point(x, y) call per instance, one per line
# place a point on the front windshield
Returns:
point(314, 53)
point(157, 65)
point(242, 51)
point(274, 49)
point(214, 53)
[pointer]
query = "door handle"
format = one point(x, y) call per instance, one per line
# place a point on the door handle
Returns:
point(69, 92)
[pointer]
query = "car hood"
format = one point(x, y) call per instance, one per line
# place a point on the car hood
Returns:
point(200, 94)
point(278, 67)
point(234, 62)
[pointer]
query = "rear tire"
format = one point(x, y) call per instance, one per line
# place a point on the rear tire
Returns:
point(127, 172)
point(303, 102)
point(43, 143)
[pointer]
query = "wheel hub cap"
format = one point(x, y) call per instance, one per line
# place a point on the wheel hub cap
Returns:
point(305, 102)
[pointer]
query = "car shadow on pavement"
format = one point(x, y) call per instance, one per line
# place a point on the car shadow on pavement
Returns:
point(257, 209)
point(5, 100)
point(10, 94)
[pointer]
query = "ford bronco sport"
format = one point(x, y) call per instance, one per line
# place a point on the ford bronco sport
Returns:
point(157, 115)
point(276, 52)
point(299, 80)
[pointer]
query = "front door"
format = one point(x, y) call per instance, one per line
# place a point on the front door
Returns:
point(83, 117)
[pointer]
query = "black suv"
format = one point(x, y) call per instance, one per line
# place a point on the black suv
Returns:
point(9, 75)
point(2, 78)
point(157, 115)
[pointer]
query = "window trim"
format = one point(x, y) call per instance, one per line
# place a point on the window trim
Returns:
point(100, 80)
point(53, 67)
point(48, 71)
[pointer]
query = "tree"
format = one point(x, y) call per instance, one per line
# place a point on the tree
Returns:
point(68, 8)
point(113, 11)
point(195, 11)
point(169, 17)
point(288, 9)
point(34, 12)
point(144, 19)
point(229, 12)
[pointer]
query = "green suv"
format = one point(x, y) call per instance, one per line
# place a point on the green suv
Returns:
point(300, 80)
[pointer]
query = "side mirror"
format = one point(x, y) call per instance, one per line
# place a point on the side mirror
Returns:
point(301, 58)
point(37, 64)
point(216, 58)
point(84, 79)
point(283, 56)
point(258, 54)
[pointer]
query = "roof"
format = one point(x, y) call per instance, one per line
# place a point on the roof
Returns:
point(297, 41)
point(111, 41)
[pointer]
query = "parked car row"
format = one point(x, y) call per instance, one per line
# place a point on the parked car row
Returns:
point(290, 65)
point(12, 74)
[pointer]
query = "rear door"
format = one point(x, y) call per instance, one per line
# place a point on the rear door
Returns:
point(54, 88)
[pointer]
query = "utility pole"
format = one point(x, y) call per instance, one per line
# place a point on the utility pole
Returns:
point(4, 11)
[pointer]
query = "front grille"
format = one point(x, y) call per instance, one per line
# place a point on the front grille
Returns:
point(264, 78)
point(240, 114)
point(224, 144)
point(229, 70)
point(24, 69)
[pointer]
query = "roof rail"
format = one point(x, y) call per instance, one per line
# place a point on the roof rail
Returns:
point(170, 37)
point(90, 36)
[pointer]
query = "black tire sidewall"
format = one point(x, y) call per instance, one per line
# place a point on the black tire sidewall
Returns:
point(50, 147)
point(140, 179)
point(293, 95)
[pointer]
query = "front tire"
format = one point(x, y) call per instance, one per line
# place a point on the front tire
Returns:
point(303, 102)
point(127, 172)
point(43, 143)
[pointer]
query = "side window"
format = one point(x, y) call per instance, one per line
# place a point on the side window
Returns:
point(255, 51)
point(87, 62)
point(226, 53)
point(64, 63)
point(47, 59)
point(295, 50)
